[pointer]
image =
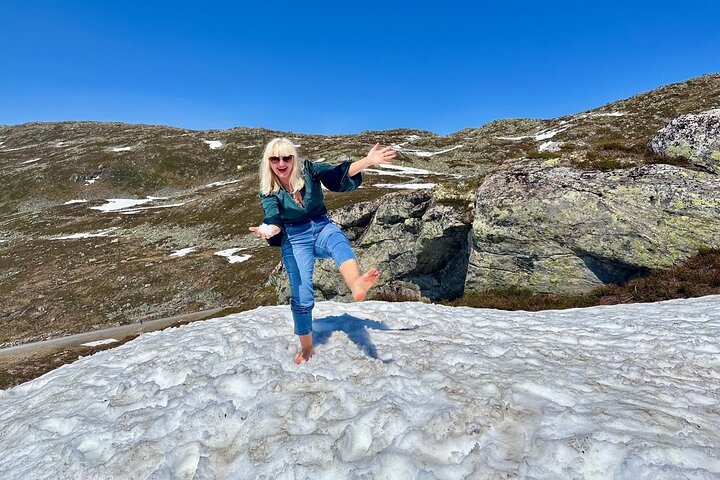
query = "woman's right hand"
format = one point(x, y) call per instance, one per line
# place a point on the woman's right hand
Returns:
point(265, 231)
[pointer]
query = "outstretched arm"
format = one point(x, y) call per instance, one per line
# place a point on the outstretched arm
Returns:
point(376, 156)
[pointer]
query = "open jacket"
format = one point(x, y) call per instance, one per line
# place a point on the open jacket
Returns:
point(281, 209)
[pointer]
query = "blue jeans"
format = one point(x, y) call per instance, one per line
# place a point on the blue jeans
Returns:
point(303, 243)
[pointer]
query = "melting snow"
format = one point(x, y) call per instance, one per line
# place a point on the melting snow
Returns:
point(413, 186)
point(221, 183)
point(230, 255)
point(183, 251)
point(30, 161)
point(70, 202)
point(121, 149)
point(550, 146)
point(607, 114)
point(99, 342)
point(214, 144)
point(99, 233)
point(426, 154)
point(115, 204)
point(396, 390)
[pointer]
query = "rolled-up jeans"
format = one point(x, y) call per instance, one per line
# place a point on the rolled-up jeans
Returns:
point(303, 243)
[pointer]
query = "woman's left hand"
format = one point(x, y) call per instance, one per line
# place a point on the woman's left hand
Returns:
point(379, 155)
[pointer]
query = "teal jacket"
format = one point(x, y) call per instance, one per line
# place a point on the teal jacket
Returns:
point(280, 208)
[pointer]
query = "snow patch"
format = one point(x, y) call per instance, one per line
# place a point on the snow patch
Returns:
point(550, 146)
point(31, 161)
point(107, 341)
point(214, 144)
point(425, 154)
point(121, 149)
point(117, 204)
point(221, 183)
point(625, 391)
point(183, 251)
point(99, 233)
point(230, 255)
point(405, 186)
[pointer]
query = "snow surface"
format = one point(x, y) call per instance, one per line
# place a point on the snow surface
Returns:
point(406, 186)
point(99, 233)
point(121, 149)
point(214, 144)
point(32, 160)
point(99, 342)
point(230, 255)
point(420, 153)
point(116, 204)
point(396, 390)
point(70, 202)
point(183, 251)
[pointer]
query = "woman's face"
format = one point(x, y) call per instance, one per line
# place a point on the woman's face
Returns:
point(282, 166)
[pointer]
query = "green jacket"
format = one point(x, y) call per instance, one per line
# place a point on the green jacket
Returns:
point(280, 207)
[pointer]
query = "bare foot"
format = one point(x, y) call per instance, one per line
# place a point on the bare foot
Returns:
point(364, 283)
point(304, 356)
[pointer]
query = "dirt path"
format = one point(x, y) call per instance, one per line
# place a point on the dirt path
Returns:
point(118, 333)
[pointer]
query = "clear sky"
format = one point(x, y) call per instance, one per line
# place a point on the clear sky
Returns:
point(337, 67)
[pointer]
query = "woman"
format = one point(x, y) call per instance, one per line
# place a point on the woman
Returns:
point(296, 220)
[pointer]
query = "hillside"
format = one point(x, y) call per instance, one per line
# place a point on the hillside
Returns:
point(70, 263)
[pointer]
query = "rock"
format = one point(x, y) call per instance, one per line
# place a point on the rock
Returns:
point(694, 136)
point(420, 247)
point(567, 231)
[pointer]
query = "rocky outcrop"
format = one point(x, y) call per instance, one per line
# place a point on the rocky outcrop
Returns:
point(566, 231)
point(695, 137)
point(421, 248)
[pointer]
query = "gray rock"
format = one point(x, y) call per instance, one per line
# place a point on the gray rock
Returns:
point(420, 247)
point(695, 137)
point(567, 231)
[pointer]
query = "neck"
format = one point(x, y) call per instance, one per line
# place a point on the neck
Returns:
point(285, 184)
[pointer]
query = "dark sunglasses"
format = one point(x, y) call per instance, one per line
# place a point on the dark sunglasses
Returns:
point(286, 159)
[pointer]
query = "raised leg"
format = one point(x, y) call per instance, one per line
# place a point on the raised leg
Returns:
point(358, 283)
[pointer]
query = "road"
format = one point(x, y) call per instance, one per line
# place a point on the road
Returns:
point(118, 333)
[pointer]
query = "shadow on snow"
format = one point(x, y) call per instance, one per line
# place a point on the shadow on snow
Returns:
point(357, 330)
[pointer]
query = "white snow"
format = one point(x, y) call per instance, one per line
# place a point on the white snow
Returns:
point(70, 202)
point(121, 149)
point(607, 114)
point(31, 161)
point(265, 229)
point(99, 233)
point(396, 390)
point(129, 206)
point(99, 342)
point(413, 186)
point(230, 255)
point(183, 251)
point(549, 146)
point(222, 183)
point(401, 169)
point(116, 204)
point(214, 144)
point(543, 135)
point(419, 153)
point(132, 211)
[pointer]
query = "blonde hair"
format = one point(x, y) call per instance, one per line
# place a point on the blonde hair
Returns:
point(279, 147)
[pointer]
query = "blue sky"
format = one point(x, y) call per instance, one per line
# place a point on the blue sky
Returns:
point(334, 67)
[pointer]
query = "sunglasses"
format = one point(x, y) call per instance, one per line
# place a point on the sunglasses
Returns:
point(286, 159)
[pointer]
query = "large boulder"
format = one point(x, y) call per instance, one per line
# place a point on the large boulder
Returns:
point(695, 137)
point(567, 231)
point(421, 248)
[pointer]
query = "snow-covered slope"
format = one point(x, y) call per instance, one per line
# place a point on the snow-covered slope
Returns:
point(396, 390)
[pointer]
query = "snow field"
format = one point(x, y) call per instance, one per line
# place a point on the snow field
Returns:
point(396, 390)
